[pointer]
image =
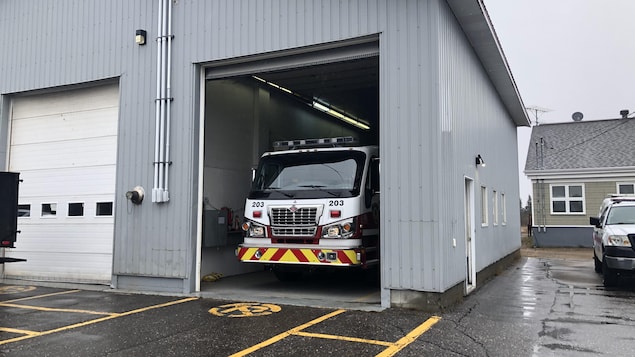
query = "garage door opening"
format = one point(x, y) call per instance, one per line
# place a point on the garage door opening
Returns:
point(250, 106)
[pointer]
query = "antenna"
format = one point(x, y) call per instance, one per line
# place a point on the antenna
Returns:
point(536, 109)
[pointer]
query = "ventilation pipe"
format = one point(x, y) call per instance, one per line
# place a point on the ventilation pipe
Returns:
point(160, 191)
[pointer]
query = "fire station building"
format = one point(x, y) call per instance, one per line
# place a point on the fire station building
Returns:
point(135, 125)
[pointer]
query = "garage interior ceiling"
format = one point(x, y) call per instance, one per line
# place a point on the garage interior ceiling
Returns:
point(350, 86)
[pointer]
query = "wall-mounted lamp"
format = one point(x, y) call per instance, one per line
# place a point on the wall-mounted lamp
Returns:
point(136, 195)
point(480, 161)
point(140, 37)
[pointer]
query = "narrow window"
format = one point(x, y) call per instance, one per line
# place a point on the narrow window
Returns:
point(484, 212)
point(104, 209)
point(76, 209)
point(24, 210)
point(49, 209)
point(504, 208)
point(494, 207)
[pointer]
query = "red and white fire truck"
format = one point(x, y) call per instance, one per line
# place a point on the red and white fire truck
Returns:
point(313, 203)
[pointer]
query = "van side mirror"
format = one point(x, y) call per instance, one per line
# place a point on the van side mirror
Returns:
point(595, 221)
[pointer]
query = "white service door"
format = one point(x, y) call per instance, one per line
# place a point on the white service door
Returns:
point(64, 146)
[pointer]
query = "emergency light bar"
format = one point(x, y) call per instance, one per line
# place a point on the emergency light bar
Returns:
point(308, 143)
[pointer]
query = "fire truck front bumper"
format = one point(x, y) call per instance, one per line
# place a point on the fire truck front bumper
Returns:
point(303, 256)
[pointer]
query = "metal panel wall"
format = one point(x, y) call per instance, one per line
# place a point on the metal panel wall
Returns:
point(59, 42)
point(473, 121)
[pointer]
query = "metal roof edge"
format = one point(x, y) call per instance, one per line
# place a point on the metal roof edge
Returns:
point(477, 26)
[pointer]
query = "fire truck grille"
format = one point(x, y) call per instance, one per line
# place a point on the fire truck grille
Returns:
point(301, 217)
point(297, 232)
point(301, 223)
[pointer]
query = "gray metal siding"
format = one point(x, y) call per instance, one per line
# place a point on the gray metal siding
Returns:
point(473, 121)
point(59, 42)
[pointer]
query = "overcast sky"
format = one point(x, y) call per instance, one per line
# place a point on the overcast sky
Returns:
point(567, 56)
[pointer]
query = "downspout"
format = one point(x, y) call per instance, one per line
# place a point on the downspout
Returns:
point(161, 148)
point(157, 101)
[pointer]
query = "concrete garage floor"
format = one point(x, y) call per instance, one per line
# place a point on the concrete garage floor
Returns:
point(327, 290)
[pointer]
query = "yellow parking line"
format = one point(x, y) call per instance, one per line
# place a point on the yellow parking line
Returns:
point(41, 308)
point(393, 347)
point(41, 296)
point(15, 330)
point(279, 337)
point(101, 319)
point(343, 338)
point(409, 338)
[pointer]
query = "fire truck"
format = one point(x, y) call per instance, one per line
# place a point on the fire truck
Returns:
point(313, 204)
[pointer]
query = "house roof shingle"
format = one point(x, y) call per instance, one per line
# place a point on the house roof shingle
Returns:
point(582, 145)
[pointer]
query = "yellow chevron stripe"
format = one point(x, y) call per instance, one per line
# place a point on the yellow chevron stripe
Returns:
point(269, 253)
point(288, 256)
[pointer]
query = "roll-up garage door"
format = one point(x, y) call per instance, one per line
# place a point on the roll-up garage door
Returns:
point(363, 47)
point(64, 146)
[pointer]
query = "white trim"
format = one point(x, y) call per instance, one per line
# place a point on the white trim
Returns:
point(201, 169)
point(582, 173)
point(617, 186)
point(484, 206)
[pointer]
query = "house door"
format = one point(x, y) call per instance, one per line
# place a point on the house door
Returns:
point(470, 279)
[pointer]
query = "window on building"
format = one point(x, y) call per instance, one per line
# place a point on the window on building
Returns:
point(76, 209)
point(104, 209)
point(484, 211)
point(494, 207)
point(625, 188)
point(504, 209)
point(24, 210)
point(567, 199)
point(49, 209)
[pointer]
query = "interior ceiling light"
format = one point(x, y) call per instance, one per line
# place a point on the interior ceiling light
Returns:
point(320, 106)
point(332, 112)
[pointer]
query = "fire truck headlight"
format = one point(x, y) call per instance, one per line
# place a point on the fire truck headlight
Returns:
point(333, 232)
point(342, 229)
point(257, 231)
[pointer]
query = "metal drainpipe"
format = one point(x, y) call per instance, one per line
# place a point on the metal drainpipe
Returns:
point(157, 101)
point(161, 148)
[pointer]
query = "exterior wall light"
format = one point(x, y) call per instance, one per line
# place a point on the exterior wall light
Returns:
point(140, 37)
point(480, 161)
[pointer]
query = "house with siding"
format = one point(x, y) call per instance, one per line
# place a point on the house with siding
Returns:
point(573, 166)
point(175, 101)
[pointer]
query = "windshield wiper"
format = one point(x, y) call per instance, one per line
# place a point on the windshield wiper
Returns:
point(321, 188)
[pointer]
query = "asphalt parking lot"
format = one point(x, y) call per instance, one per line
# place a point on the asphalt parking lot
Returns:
point(545, 306)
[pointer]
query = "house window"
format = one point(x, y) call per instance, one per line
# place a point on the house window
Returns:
point(495, 207)
point(567, 199)
point(625, 188)
point(76, 209)
point(484, 212)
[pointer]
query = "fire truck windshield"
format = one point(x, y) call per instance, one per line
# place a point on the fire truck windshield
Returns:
point(309, 175)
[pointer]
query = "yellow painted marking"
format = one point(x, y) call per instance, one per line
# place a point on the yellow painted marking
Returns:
point(15, 330)
point(14, 289)
point(101, 319)
point(393, 347)
point(43, 295)
point(245, 309)
point(410, 337)
point(285, 334)
point(343, 338)
point(288, 256)
point(42, 308)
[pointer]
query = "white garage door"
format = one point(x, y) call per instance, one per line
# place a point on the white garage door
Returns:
point(64, 146)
